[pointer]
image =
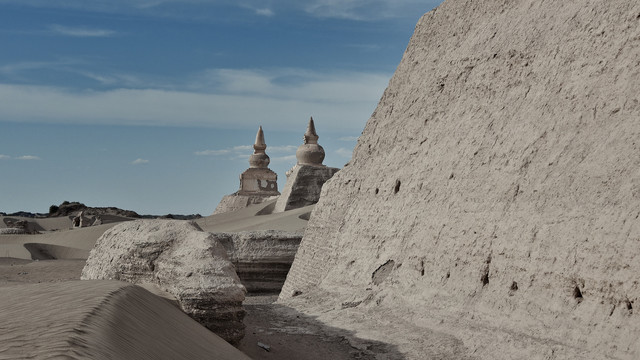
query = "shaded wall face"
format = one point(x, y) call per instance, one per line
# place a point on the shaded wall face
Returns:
point(498, 174)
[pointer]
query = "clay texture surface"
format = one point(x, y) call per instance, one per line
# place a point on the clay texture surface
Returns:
point(180, 259)
point(304, 183)
point(495, 189)
point(236, 201)
point(262, 258)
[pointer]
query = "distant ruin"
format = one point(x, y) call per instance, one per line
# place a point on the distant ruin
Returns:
point(305, 179)
point(257, 184)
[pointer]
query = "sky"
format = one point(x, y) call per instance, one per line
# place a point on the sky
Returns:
point(152, 105)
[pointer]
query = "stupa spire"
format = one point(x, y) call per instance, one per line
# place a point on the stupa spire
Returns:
point(259, 159)
point(311, 137)
point(259, 146)
point(310, 152)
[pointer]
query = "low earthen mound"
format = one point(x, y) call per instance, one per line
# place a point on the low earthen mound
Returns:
point(179, 258)
point(100, 320)
point(495, 187)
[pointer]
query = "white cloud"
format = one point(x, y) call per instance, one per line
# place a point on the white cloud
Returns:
point(235, 151)
point(357, 10)
point(212, 152)
point(226, 98)
point(80, 31)
point(282, 149)
point(4, 157)
point(28, 157)
point(242, 152)
point(288, 158)
point(24, 66)
point(139, 161)
point(292, 83)
point(344, 152)
point(368, 9)
point(264, 12)
point(348, 138)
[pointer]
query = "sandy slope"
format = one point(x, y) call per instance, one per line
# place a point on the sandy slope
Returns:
point(100, 320)
point(58, 241)
point(289, 334)
point(249, 219)
point(66, 244)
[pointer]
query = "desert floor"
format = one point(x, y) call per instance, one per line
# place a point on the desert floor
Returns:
point(288, 333)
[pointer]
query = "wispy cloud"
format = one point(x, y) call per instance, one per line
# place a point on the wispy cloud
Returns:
point(80, 31)
point(235, 150)
point(28, 157)
point(281, 159)
point(348, 138)
point(283, 153)
point(30, 71)
point(14, 69)
point(356, 10)
point(363, 10)
point(258, 10)
point(282, 149)
point(344, 152)
point(221, 97)
point(294, 83)
point(4, 157)
point(139, 161)
point(212, 152)
point(264, 12)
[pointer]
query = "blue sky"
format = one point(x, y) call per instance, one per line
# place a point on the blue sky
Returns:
point(151, 105)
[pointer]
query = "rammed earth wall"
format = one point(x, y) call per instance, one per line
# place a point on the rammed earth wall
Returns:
point(498, 179)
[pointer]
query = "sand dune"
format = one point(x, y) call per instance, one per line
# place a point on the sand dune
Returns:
point(69, 243)
point(252, 218)
point(51, 252)
point(77, 241)
point(100, 320)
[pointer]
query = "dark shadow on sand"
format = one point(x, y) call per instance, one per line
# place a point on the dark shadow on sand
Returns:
point(291, 335)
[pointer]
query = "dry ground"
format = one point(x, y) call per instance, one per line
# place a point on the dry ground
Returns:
point(288, 333)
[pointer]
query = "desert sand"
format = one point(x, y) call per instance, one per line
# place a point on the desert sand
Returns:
point(100, 320)
point(84, 319)
point(490, 210)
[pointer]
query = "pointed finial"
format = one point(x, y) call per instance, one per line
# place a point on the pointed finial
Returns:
point(259, 159)
point(310, 153)
point(259, 146)
point(311, 137)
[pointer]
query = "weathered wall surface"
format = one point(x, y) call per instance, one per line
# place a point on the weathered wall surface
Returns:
point(498, 179)
point(262, 259)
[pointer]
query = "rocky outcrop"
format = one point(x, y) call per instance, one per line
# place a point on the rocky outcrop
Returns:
point(262, 258)
point(12, 231)
point(180, 259)
point(73, 208)
point(18, 226)
point(497, 182)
